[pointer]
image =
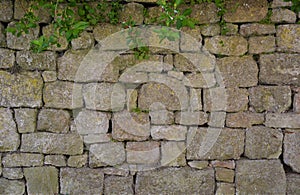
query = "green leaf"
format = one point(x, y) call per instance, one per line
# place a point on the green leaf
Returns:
point(187, 12)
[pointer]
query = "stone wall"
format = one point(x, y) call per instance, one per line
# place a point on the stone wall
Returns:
point(207, 114)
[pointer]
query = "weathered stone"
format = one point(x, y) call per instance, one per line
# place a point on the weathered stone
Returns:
point(56, 121)
point(41, 180)
point(112, 153)
point(13, 173)
point(227, 45)
point(2, 39)
point(205, 13)
point(279, 69)
point(21, 89)
point(238, 71)
point(50, 143)
point(77, 161)
point(131, 97)
point(22, 160)
point(55, 160)
point(61, 95)
point(22, 42)
point(270, 98)
point(257, 29)
point(225, 175)
point(191, 118)
point(292, 183)
point(118, 185)
point(259, 45)
point(225, 188)
point(161, 117)
point(194, 62)
point(173, 154)
point(84, 41)
point(104, 96)
point(28, 60)
point(62, 41)
point(131, 76)
point(130, 126)
point(104, 30)
point(190, 39)
point(176, 74)
point(96, 138)
point(115, 171)
point(296, 104)
point(133, 11)
point(263, 142)
point(143, 152)
point(172, 132)
point(9, 138)
point(260, 177)
point(210, 29)
point(152, 15)
point(222, 144)
point(283, 16)
point(217, 119)
point(175, 181)
point(91, 122)
point(26, 119)
point(81, 181)
point(244, 119)
point(291, 149)
point(198, 164)
point(221, 99)
point(195, 99)
point(11, 187)
point(284, 120)
point(288, 38)
point(49, 76)
point(229, 164)
point(6, 11)
point(245, 11)
point(231, 29)
point(281, 3)
point(200, 80)
point(7, 57)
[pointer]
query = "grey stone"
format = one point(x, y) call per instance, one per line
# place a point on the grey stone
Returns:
point(56, 121)
point(244, 119)
point(55, 160)
point(104, 96)
point(260, 177)
point(270, 98)
point(259, 45)
point(131, 76)
point(131, 97)
point(96, 138)
point(292, 183)
point(191, 118)
point(238, 71)
point(195, 99)
point(11, 187)
point(281, 15)
point(296, 103)
point(6, 10)
point(224, 175)
point(81, 181)
point(200, 80)
point(279, 69)
point(225, 188)
point(288, 38)
point(21, 89)
point(257, 29)
point(2, 36)
point(263, 142)
point(118, 185)
point(7, 57)
point(50, 143)
point(9, 138)
point(84, 41)
point(41, 180)
point(291, 149)
point(13, 173)
point(134, 10)
point(175, 181)
point(77, 161)
point(205, 13)
point(22, 160)
point(173, 154)
point(190, 39)
point(112, 153)
point(217, 119)
point(115, 171)
point(210, 29)
point(172, 132)
point(198, 164)
point(105, 31)
point(228, 164)
point(213, 143)
point(143, 152)
point(161, 117)
point(231, 29)
point(62, 95)
point(28, 60)
point(49, 76)
point(284, 120)
point(26, 119)
point(176, 74)
point(281, 3)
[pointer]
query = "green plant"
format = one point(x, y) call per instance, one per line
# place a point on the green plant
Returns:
point(267, 19)
point(295, 5)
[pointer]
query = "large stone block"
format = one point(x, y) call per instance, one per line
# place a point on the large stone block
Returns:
point(191, 118)
point(288, 37)
point(291, 149)
point(283, 16)
point(214, 143)
point(11, 187)
point(13, 173)
point(23, 160)
point(143, 152)
point(21, 89)
point(56, 160)
point(205, 13)
point(9, 138)
point(134, 11)
point(175, 181)
point(279, 69)
point(118, 185)
point(270, 98)
point(28, 60)
point(81, 181)
point(173, 154)
point(238, 71)
point(172, 132)
point(225, 188)
point(26, 119)
point(292, 184)
point(50, 143)
point(260, 177)
point(51, 120)
point(259, 45)
point(6, 11)
point(284, 120)
point(194, 62)
point(7, 57)
point(161, 117)
point(200, 80)
point(41, 180)
point(257, 29)
point(244, 119)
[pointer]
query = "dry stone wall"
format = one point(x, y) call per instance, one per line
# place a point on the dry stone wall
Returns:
point(206, 114)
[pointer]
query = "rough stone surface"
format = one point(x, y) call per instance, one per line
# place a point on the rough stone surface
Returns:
point(175, 181)
point(229, 164)
point(194, 62)
point(7, 57)
point(195, 99)
point(263, 142)
point(259, 45)
point(41, 180)
point(210, 29)
point(244, 119)
point(97, 138)
point(9, 138)
point(161, 117)
point(102, 31)
point(223, 143)
point(55, 160)
point(22, 160)
point(238, 71)
point(288, 38)
point(49, 76)
point(200, 80)
point(198, 164)
point(13, 173)
point(257, 29)
point(217, 119)
point(260, 177)
point(84, 41)
point(173, 154)
point(296, 104)
point(279, 69)
point(245, 11)
point(11, 187)
point(172, 132)
point(283, 16)
point(118, 185)
point(270, 98)
point(224, 175)
point(284, 120)
point(292, 183)
point(77, 161)
point(280, 3)
point(81, 181)
point(36, 61)
point(21, 89)
point(63, 43)
point(26, 119)
point(2, 36)
point(225, 188)
point(6, 11)
point(291, 149)
point(227, 45)
point(56, 121)
point(143, 152)
point(205, 13)
point(50, 143)
point(134, 10)
point(191, 118)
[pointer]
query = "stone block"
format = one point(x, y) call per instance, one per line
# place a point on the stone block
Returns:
point(29, 60)
point(257, 29)
point(284, 120)
point(194, 62)
point(259, 45)
point(143, 152)
point(281, 15)
point(224, 175)
point(6, 10)
point(2, 36)
point(11, 186)
point(173, 154)
point(13, 173)
point(292, 183)
point(77, 161)
point(296, 104)
point(210, 30)
point(7, 58)
point(200, 80)
point(134, 10)
point(225, 188)
point(191, 118)
point(49, 76)
point(161, 117)
point(288, 39)
point(118, 185)
point(198, 164)
point(23, 160)
point(195, 99)
point(291, 149)
point(229, 164)
point(84, 41)
point(55, 160)
point(217, 119)
point(51, 120)
point(172, 132)
point(205, 13)
point(244, 119)
point(26, 119)
point(62, 41)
